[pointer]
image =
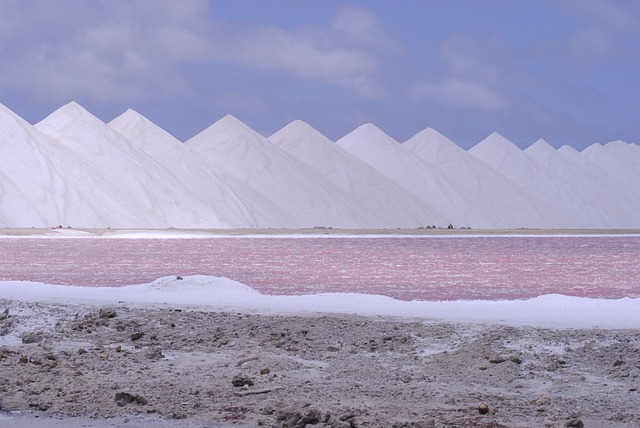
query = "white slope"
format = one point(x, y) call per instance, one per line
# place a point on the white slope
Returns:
point(457, 205)
point(626, 190)
point(506, 158)
point(501, 202)
point(621, 161)
point(286, 192)
point(395, 207)
point(569, 151)
point(222, 194)
point(576, 157)
point(598, 196)
point(142, 187)
point(22, 173)
point(44, 184)
point(617, 157)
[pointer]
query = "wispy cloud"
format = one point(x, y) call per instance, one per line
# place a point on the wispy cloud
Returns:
point(120, 50)
point(344, 55)
point(467, 81)
point(601, 26)
point(108, 51)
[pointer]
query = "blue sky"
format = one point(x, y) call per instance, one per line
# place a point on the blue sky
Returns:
point(566, 71)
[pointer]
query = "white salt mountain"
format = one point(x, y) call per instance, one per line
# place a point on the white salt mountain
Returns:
point(44, 183)
point(222, 195)
point(598, 195)
point(73, 169)
point(300, 196)
point(144, 195)
point(456, 205)
point(627, 189)
point(500, 202)
point(620, 159)
point(394, 206)
point(506, 158)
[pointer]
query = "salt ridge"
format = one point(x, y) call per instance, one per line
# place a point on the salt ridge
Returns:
point(73, 169)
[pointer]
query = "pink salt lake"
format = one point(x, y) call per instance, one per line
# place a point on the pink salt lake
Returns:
point(405, 268)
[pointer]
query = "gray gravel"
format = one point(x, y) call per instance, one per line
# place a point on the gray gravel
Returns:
point(88, 366)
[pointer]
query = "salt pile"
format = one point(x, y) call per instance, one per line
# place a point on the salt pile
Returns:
point(393, 204)
point(72, 169)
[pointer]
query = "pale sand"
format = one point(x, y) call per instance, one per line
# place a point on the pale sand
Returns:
point(175, 367)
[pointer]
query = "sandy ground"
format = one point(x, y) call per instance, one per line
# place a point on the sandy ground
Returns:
point(102, 366)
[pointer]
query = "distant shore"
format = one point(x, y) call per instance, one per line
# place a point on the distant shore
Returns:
point(69, 231)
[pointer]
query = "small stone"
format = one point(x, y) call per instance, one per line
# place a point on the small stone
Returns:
point(574, 423)
point(154, 353)
point(124, 398)
point(107, 313)
point(137, 335)
point(32, 337)
point(240, 380)
point(265, 370)
point(483, 408)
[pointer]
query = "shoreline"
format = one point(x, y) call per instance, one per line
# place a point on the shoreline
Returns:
point(198, 232)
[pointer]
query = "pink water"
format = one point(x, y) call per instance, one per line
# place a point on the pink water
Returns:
point(406, 268)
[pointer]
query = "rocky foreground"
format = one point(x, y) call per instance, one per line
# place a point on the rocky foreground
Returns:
point(175, 367)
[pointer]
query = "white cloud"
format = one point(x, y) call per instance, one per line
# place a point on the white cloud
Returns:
point(123, 50)
point(462, 93)
point(467, 81)
point(362, 27)
point(604, 28)
point(107, 50)
point(306, 56)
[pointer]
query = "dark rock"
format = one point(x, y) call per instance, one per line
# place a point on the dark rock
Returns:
point(241, 380)
point(154, 353)
point(32, 337)
point(515, 359)
point(107, 313)
point(124, 398)
point(137, 335)
point(574, 423)
point(483, 408)
point(307, 416)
